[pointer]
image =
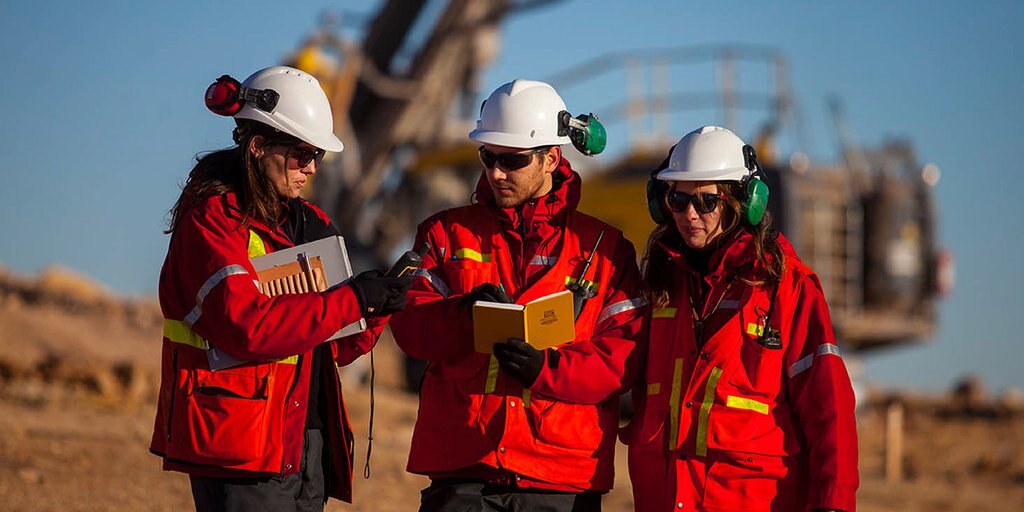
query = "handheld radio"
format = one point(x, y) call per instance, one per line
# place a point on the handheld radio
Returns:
point(409, 262)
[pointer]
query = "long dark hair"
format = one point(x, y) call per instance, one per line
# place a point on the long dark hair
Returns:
point(234, 169)
point(657, 268)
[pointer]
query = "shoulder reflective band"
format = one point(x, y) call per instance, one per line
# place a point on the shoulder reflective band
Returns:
point(808, 360)
point(754, 329)
point(654, 388)
point(544, 261)
point(435, 281)
point(526, 398)
point(673, 404)
point(256, 246)
point(470, 254)
point(492, 375)
point(204, 290)
point(705, 412)
point(621, 307)
point(745, 403)
point(663, 313)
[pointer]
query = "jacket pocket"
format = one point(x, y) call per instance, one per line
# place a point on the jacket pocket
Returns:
point(466, 274)
point(759, 369)
point(573, 426)
point(454, 395)
point(226, 417)
point(744, 481)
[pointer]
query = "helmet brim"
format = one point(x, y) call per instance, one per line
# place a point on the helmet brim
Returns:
point(730, 174)
point(515, 141)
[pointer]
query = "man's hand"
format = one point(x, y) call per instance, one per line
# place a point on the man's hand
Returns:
point(519, 360)
point(379, 295)
point(489, 292)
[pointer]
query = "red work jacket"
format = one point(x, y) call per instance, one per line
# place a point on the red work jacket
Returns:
point(246, 420)
point(734, 423)
point(475, 421)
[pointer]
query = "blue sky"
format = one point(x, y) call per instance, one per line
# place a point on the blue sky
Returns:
point(103, 114)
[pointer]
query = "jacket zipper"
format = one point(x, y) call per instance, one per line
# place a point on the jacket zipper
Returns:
point(174, 391)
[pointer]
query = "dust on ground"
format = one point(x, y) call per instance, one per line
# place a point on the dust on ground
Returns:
point(79, 372)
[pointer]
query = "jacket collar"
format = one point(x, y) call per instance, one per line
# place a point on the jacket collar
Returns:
point(563, 197)
point(735, 253)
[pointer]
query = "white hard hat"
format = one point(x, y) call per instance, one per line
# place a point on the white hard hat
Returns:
point(521, 114)
point(302, 109)
point(709, 153)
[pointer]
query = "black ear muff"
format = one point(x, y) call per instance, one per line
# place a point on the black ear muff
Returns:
point(755, 191)
point(223, 96)
point(564, 118)
point(226, 96)
point(656, 190)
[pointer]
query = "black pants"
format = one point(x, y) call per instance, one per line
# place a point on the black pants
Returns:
point(462, 496)
point(299, 492)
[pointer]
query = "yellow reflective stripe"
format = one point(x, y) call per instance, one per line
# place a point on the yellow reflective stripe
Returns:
point(179, 332)
point(673, 403)
point(664, 313)
point(492, 375)
point(705, 412)
point(737, 402)
point(526, 398)
point(256, 246)
point(470, 254)
point(654, 388)
point(754, 329)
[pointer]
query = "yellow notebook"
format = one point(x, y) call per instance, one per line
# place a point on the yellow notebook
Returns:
point(544, 322)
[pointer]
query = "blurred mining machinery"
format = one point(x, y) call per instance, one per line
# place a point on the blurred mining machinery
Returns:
point(406, 96)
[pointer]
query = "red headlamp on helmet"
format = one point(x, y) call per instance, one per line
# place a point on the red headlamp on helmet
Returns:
point(226, 96)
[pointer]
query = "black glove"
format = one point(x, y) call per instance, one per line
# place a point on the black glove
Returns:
point(379, 295)
point(519, 360)
point(488, 292)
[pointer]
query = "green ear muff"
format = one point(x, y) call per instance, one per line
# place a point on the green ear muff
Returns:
point(756, 201)
point(587, 134)
point(755, 191)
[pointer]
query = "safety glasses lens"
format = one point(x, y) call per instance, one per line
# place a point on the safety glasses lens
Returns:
point(303, 156)
point(508, 161)
point(702, 203)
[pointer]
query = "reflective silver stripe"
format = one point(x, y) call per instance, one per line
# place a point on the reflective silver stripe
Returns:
point(805, 362)
point(547, 261)
point(729, 304)
point(621, 307)
point(435, 281)
point(214, 280)
point(829, 348)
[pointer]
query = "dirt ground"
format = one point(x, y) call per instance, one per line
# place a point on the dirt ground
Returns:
point(77, 392)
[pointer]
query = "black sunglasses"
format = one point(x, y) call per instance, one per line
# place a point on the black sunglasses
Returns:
point(304, 155)
point(702, 203)
point(509, 161)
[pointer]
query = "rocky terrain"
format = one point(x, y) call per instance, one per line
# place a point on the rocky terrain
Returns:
point(78, 377)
